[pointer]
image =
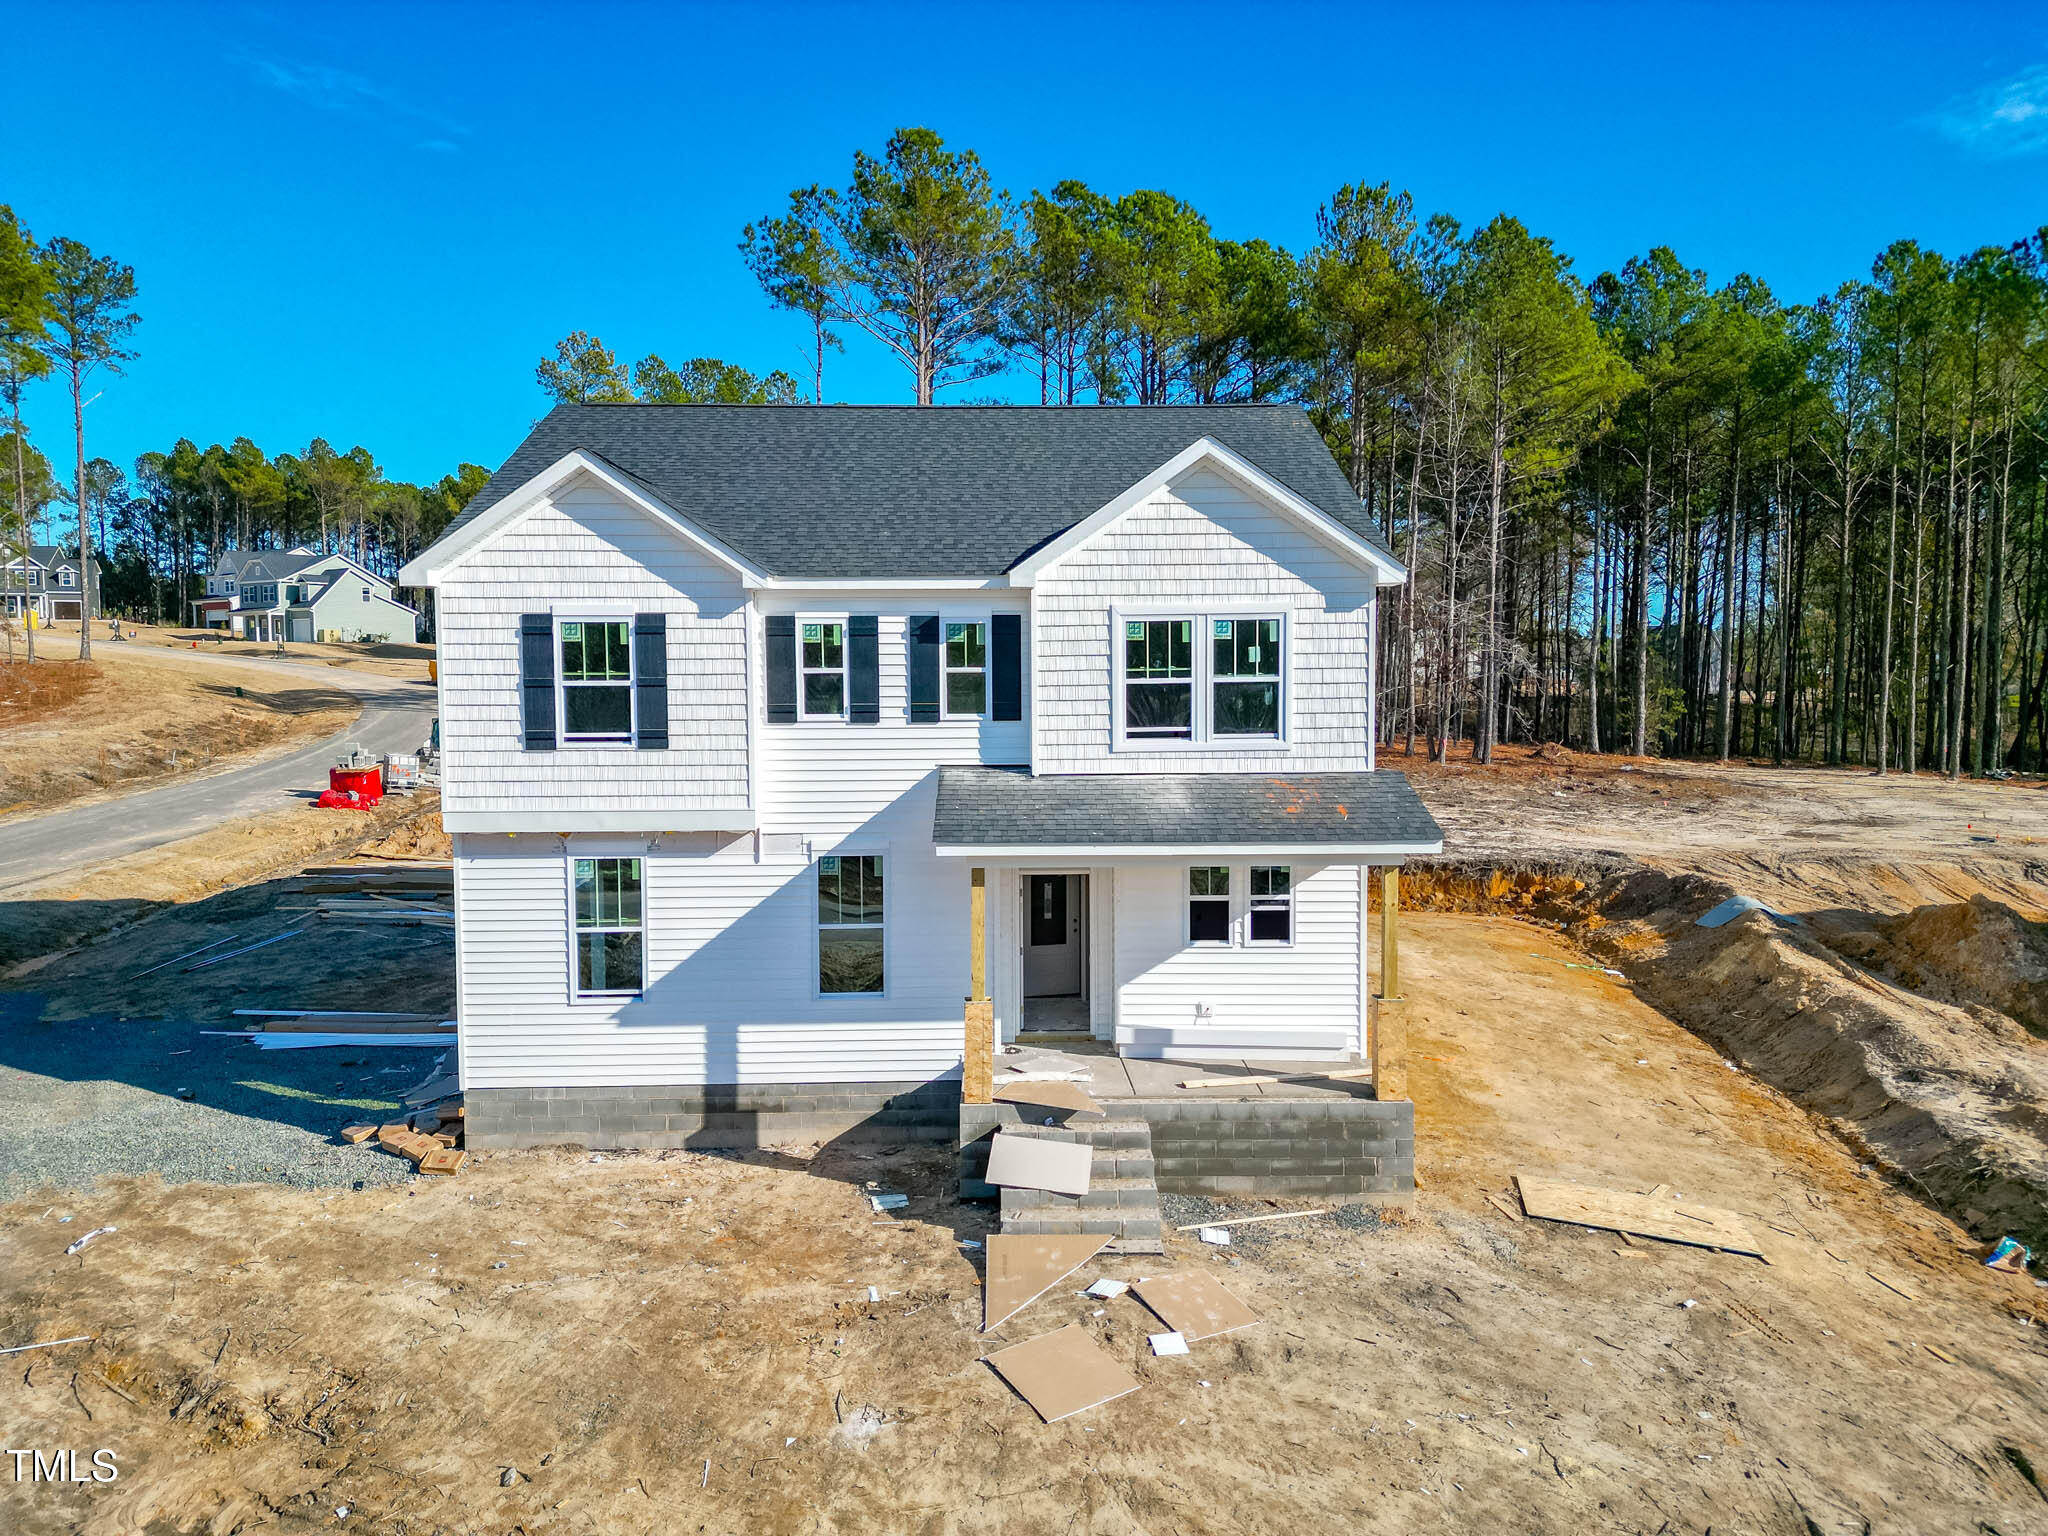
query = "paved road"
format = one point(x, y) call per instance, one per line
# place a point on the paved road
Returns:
point(395, 718)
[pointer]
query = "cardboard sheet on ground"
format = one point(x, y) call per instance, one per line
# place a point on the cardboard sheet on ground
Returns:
point(1032, 1162)
point(1194, 1305)
point(1616, 1210)
point(1021, 1269)
point(1067, 1096)
point(1063, 1373)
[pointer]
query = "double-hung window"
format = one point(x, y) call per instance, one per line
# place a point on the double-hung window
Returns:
point(597, 680)
point(1159, 679)
point(966, 670)
point(1209, 904)
point(1202, 679)
point(1244, 678)
point(850, 958)
point(822, 664)
point(610, 928)
point(1272, 904)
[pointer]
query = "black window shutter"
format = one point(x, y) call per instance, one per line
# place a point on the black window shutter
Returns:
point(863, 670)
point(1006, 665)
point(782, 668)
point(650, 680)
point(537, 680)
point(924, 666)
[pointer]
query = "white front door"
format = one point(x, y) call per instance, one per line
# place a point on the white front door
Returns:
point(1052, 934)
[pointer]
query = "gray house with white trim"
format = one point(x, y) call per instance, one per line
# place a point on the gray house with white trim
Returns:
point(46, 581)
point(301, 594)
point(801, 755)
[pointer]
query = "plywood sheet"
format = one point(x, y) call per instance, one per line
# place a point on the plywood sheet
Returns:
point(1616, 1210)
point(1063, 1373)
point(1195, 1305)
point(1068, 1096)
point(1033, 1162)
point(1021, 1269)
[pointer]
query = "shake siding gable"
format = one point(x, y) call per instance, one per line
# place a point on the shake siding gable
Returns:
point(1205, 545)
point(586, 553)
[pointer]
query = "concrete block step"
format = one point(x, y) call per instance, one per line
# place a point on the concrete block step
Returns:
point(1103, 1195)
point(1095, 1133)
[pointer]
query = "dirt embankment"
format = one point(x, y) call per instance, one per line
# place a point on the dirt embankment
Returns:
point(1908, 1030)
point(80, 730)
point(47, 919)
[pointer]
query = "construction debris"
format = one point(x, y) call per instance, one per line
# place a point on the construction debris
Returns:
point(1246, 1221)
point(1020, 1269)
point(1195, 1305)
point(1063, 1373)
point(1349, 1074)
point(1032, 1162)
point(76, 1338)
point(430, 1138)
point(1051, 1094)
point(1614, 1210)
point(1168, 1343)
point(95, 1232)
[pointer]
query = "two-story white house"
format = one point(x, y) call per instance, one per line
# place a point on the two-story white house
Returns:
point(752, 717)
point(301, 594)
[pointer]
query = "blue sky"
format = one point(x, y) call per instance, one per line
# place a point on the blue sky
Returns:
point(369, 223)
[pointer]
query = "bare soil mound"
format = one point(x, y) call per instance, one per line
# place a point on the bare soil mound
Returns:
point(1932, 1080)
point(1978, 952)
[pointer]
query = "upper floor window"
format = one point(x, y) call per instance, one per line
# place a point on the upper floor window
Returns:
point(1159, 679)
point(67, 577)
point(366, 594)
point(597, 680)
point(1245, 680)
point(966, 670)
point(35, 577)
point(1175, 689)
point(822, 691)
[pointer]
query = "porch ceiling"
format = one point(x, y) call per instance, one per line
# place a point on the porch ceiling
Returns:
point(1009, 812)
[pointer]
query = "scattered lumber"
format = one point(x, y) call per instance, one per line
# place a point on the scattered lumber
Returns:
point(431, 1139)
point(1348, 1074)
point(1614, 1210)
point(1246, 1221)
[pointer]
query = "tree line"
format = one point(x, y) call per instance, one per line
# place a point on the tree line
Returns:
point(154, 531)
point(1641, 511)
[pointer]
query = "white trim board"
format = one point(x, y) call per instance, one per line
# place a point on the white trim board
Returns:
point(544, 823)
point(1325, 853)
point(1207, 452)
point(428, 569)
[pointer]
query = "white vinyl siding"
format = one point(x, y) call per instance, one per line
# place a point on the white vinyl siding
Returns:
point(1205, 547)
point(730, 994)
point(1265, 1000)
point(833, 777)
point(587, 553)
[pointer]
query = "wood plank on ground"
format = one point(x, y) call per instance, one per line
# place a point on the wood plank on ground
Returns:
point(1022, 1268)
point(1616, 1210)
point(1062, 1373)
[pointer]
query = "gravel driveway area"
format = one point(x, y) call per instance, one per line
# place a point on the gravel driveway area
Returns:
point(81, 1098)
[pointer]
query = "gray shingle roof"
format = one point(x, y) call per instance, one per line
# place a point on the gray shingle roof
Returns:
point(879, 491)
point(1007, 807)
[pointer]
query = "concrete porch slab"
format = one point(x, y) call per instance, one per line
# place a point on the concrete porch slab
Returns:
point(1110, 1076)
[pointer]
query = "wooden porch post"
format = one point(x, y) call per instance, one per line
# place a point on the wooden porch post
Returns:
point(1389, 1029)
point(977, 1084)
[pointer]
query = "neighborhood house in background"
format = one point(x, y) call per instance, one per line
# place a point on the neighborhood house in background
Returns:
point(751, 717)
point(301, 594)
point(44, 581)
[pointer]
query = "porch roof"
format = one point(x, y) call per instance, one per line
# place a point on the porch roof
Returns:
point(1009, 812)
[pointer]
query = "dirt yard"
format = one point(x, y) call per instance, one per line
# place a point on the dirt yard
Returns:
point(73, 731)
point(553, 1342)
point(387, 659)
point(40, 924)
